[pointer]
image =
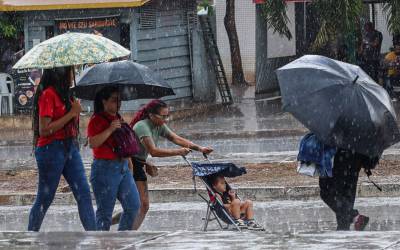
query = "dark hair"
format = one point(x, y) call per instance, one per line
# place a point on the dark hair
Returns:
point(104, 94)
point(152, 107)
point(214, 178)
point(369, 25)
point(59, 78)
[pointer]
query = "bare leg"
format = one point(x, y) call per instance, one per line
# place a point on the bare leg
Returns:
point(246, 207)
point(235, 209)
point(144, 203)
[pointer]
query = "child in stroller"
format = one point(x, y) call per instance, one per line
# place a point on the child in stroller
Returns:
point(241, 211)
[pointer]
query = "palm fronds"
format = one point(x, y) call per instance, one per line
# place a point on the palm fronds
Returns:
point(392, 11)
point(335, 17)
point(275, 14)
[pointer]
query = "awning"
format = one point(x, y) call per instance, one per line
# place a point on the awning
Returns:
point(31, 5)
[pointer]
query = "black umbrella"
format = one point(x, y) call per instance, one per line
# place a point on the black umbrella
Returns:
point(136, 81)
point(339, 103)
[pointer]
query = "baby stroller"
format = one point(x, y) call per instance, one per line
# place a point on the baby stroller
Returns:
point(215, 207)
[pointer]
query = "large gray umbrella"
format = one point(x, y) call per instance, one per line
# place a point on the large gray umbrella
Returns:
point(340, 103)
point(136, 81)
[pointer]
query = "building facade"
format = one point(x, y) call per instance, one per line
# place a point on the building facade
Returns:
point(263, 51)
point(161, 34)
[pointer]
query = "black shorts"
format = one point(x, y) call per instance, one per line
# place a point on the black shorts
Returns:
point(139, 173)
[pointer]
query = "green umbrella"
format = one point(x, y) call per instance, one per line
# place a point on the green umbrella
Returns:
point(71, 49)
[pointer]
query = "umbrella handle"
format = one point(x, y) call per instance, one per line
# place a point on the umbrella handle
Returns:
point(355, 80)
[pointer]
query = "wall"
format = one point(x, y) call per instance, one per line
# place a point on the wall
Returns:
point(159, 39)
point(246, 29)
point(163, 43)
point(273, 51)
point(279, 46)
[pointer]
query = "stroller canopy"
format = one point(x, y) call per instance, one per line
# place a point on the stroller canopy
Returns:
point(225, 169)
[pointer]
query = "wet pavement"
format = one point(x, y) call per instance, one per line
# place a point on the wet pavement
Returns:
point(289, 225)
point(216, 240)
point(238, 150)
point(248, 132)
point(278, 216)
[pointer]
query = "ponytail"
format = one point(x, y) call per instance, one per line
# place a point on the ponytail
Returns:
point(152, 107)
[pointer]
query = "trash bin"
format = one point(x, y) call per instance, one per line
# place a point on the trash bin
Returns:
point(6, 94)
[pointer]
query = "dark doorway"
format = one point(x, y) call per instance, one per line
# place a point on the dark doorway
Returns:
point(125, 35)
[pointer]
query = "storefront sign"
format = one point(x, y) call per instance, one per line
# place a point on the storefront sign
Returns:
point(105, 26)
point(87, 24)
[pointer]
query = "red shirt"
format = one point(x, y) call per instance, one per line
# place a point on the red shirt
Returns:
point(98, 124)
point(51, 105)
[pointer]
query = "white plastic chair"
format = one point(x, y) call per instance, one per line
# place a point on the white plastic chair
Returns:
point(6, 94)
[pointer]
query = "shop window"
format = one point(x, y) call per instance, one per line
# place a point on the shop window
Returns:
point(49, 32)
point(125, 39)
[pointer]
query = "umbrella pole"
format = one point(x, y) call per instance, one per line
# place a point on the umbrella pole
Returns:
point(73, 74)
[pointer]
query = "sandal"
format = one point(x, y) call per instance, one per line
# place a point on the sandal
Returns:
point(252, 225)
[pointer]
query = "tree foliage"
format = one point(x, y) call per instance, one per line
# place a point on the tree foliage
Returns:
point(275, 14)
point(11, 24)
point(206, 4)
point(336, 17)
point(392, 10)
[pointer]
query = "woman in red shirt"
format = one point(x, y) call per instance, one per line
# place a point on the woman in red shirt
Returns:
point(55, 125)
point(111, 178)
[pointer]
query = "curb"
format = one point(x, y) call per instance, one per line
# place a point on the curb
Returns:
point(259, 194)
point(266, 133)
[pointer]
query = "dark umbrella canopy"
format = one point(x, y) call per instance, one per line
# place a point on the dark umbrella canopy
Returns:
point(225, 169)
point(136, 81)
point(339, 103)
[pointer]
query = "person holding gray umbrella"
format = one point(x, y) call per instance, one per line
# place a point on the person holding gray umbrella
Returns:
point(131, 81)
point(346, 109)
point(110, 176)
point(339, 191)
point(136, 81)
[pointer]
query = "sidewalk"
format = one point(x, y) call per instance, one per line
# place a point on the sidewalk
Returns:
point(183, 240)
point(253, 133)
point(263, 182)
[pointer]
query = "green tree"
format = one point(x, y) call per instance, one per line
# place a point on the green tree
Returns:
point(230, 27)
point(392, 10)
point(206, 4)
point(11, 24)
point(337, 18)
point(236, 58)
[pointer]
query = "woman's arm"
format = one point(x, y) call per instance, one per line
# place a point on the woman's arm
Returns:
point(160, 152)
point(178, 140)
point(98, 140)
point(48, 127)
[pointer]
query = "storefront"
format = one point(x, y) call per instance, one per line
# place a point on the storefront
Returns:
point(159, 33)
